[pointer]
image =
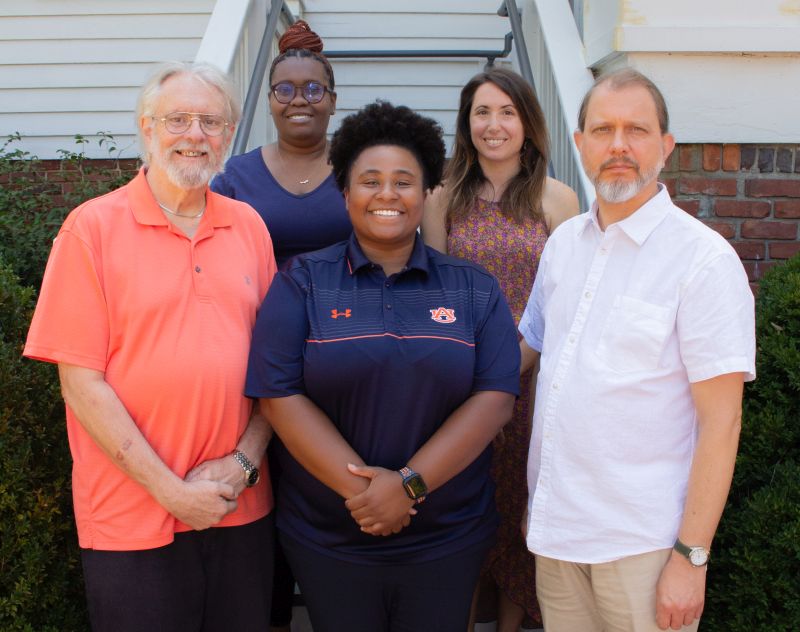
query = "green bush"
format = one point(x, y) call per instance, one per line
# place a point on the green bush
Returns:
point(754, 577)
point(41, 588)
point(33, 204)
point(40, 582)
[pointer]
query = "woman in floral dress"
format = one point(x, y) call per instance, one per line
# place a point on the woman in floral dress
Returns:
point(497, 208)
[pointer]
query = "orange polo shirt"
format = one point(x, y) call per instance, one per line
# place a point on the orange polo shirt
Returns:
point(168, 319)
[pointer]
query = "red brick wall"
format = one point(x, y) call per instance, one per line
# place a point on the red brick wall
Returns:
point(59, 176)
point(750, 194)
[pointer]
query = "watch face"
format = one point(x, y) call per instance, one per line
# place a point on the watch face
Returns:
point(698, 556)
point(252, 479)
point(416, 486)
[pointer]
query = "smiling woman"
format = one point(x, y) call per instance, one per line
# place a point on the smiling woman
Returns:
point(289, 181)
point(395, 367)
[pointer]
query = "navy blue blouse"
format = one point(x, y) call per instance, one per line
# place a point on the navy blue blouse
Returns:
point(296, 223)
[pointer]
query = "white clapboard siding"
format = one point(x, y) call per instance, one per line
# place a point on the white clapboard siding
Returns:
point(428, 85)
point(72, 67)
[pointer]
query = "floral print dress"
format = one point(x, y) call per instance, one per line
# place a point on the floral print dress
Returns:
point(510, 250)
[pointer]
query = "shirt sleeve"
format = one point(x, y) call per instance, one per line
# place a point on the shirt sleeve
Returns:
point(532, 324)
point(716, 321)
point(275, 365)
point(70, 323)
point(497, 356)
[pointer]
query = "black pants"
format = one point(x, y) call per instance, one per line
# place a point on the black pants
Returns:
point(430, 596)
point(283, 578)
point(219, 579)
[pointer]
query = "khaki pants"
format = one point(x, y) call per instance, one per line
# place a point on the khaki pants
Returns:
point(617, 596)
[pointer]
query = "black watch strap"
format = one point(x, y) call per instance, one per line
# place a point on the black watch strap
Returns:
point(413, 483)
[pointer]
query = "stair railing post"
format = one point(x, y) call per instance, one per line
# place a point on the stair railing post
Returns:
point(257, 78)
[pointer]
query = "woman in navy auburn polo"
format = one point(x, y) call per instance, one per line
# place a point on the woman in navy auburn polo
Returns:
point(386, 368)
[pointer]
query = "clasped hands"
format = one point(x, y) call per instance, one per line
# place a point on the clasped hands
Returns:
point(384, 507)
point(208, 493)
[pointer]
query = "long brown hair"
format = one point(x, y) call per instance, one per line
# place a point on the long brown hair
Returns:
point(464, 177)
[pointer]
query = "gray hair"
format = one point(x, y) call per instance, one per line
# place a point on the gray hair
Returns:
point(206, 73)
point(625, 78)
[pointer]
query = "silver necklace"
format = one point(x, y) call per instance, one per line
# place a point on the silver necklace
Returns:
point(171, 212)
point(315, 164)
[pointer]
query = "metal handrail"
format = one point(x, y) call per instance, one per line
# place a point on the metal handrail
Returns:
point(490, 55)
point(277, 7)
point(516, 29)
point(522, 53)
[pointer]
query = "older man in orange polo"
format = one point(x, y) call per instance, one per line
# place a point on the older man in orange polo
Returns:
point(147, 306)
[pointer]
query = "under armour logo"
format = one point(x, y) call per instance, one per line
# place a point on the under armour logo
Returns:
point(443, 315)
point(335, 313)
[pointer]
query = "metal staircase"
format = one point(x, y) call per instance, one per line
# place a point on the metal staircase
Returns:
point(554, 67)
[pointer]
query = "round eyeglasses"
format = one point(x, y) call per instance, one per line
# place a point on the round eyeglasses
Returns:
point(179, 122)
point(312, 91)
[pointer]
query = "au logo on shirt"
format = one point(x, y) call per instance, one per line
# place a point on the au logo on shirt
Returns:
point(443, 315)
point(335, 313)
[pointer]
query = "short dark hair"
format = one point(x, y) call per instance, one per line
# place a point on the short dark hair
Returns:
point(624, 78)
point(382, 123)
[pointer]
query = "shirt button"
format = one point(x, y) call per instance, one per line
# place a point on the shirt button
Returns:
point(388, 306)
point(555, 386)
point(197, 268)
point(587, 295)
point(387, 284)
point(572, 340)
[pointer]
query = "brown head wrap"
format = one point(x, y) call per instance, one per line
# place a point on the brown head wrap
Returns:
point(300, 35)
point(300, 41)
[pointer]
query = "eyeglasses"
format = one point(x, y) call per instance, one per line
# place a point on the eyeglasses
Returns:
point(179, 122)
point(312, 91)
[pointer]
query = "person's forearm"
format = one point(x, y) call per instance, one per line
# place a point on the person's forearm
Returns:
point(718, 404)
point(105, 419)
point(529, 358)
point(314, 441)
point(254, 439)
point(680, 592)
point(462, 437)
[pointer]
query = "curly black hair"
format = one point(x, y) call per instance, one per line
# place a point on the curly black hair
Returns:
point(382, 123)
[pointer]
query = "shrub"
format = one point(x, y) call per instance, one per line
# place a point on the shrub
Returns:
point(41, 587)
point(40, 582)
point(755, 570)
point(35, 198)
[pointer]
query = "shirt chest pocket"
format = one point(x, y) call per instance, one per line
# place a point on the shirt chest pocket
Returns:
point(634, 335)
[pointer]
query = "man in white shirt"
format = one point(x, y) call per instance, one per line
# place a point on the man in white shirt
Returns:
point(644, 320)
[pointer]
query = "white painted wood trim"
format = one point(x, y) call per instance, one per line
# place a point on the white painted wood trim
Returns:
point(220, 44)
point(569, 77)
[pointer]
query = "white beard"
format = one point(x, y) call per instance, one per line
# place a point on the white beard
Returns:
point(190, 176)
point(617, 191)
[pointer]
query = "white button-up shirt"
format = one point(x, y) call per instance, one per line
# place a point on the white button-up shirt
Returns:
point(625, 319)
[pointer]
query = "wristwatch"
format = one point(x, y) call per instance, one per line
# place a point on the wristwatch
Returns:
point(414, 485)
point(251, 474)
point(697, 555)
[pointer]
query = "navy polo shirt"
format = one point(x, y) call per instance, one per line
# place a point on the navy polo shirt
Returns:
point(388, 359)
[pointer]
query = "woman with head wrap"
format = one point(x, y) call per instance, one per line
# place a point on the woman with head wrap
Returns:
point(289, 182)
